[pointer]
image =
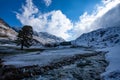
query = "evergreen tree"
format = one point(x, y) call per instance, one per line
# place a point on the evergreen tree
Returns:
point(25, 37)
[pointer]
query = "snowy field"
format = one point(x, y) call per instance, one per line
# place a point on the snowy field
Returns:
point(42, 58)
point(113, 69)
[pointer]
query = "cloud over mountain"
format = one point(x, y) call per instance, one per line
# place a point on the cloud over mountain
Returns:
point(104, 15)
point(55, 22)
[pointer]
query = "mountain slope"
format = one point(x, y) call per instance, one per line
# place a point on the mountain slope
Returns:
point(6, 32)
point(100, 38)
point(46, 38)
point(43, 37)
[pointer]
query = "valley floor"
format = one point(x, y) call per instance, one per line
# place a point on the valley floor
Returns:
point(42, 58)
point(61, 64)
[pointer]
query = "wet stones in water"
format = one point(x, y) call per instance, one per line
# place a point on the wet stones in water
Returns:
point(83, 63)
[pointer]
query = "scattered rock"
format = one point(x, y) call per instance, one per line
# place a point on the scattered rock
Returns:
point(88, 67)
point(83, 63)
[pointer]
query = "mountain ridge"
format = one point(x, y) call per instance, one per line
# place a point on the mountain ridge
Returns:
point(6, 32)
point(10, 33)
point(99, 38)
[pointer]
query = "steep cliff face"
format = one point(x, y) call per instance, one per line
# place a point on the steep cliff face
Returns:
point(6, 32)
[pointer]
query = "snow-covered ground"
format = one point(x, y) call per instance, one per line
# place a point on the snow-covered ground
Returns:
point(113, 69)
point(42, 58)
point(85, 68)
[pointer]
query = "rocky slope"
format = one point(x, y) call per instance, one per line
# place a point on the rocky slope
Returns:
point(6, 33)
point(100, 38)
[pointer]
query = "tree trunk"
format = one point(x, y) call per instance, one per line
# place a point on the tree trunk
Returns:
point(22, 45)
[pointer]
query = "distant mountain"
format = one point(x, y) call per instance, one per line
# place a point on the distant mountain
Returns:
point(43, 37)
point(16, 28)
point(100, 38)
point(6, 32)
point(46, 38)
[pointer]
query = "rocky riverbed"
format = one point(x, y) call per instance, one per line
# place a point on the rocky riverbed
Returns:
point(78, 67)
point(88, 67)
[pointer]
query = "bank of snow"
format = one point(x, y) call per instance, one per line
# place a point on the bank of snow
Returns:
point(113, 69)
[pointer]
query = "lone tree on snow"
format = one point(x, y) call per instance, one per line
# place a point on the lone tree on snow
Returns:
point(25, 37)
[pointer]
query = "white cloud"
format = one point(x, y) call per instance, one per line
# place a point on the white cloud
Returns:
point(107, 15)
point(48, 2)
point(99, 18)
point(29, 11)
point(55, 22)
point(59, 24)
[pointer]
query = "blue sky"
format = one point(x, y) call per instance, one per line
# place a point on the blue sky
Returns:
point(71, 8)
point(64, 18)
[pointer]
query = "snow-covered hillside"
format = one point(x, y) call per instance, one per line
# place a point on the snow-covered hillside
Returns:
point(113, 69)
point(43, 37)
point(6, 32)
point(46, 38)
point(109, 40)
point(108, 35)
point(100, 38)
